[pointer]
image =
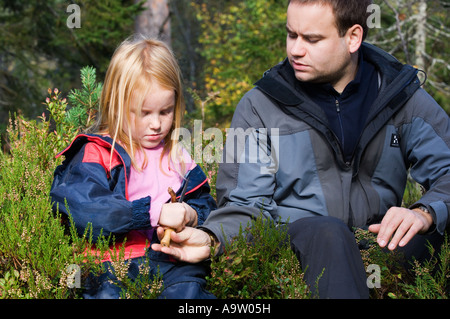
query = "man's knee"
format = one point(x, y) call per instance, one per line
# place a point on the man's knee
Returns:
point(325, 228)
point(326, 248)
point(321, 235)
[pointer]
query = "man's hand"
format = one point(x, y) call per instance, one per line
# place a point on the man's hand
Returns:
point(190, 245)
point(400, 225)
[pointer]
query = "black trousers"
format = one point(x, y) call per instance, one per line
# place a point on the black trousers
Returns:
point(331, 260)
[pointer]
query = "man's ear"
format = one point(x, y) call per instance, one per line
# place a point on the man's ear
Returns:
point(354, 38)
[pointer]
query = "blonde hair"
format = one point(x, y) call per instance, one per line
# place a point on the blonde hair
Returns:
point(135, 64)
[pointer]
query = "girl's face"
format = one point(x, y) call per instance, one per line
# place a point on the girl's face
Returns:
point(155, 120)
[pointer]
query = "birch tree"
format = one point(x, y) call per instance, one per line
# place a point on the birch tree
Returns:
point(417, 32)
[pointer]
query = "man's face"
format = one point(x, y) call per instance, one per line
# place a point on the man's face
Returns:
point(315, 50)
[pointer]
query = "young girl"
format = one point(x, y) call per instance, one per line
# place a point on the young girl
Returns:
point(118, 178)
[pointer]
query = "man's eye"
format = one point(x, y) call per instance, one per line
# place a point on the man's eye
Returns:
point(312, 40)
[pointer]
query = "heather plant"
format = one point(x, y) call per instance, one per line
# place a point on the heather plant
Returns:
point(70, 120)
point(144, 286)
point(34, 250)
point(263, 267)
point(432, 278)
point(392, 275)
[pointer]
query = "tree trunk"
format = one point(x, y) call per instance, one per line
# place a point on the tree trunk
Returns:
point(421, 36)
point(154, 21)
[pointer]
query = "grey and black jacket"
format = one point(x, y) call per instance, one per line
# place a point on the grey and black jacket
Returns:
point(299, 170)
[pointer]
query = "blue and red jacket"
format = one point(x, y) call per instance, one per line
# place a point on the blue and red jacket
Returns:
point(93, 189)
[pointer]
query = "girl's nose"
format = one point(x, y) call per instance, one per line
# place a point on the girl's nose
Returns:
point(154, 122)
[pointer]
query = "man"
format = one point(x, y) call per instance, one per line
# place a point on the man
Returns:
point(347, 121)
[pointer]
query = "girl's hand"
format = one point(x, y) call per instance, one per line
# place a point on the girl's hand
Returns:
point(177, 216)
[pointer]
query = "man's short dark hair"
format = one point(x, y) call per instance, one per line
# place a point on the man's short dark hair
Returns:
point(347, 13)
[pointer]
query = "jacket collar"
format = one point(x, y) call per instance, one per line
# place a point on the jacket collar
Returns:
point(105, 141)
point(280, 82)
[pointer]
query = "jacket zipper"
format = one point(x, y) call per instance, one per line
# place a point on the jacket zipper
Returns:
point(341, 126)
point(338, 110)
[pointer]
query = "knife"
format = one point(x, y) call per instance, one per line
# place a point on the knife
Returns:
point(183, 192)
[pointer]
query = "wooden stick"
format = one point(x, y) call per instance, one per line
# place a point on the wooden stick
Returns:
point(173, 196)
point(165, 241)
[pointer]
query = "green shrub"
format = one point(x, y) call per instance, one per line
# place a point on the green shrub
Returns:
point(34, 251)
point(86, 101)
point(263, 268)
point(432, 278)
point(392, 275)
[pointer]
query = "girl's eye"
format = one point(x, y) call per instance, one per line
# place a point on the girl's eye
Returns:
point(167, 111)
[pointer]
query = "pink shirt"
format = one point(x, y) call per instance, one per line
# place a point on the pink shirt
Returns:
point(153, 182)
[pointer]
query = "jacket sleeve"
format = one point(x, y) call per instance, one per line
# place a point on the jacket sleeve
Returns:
point(202, 202)
point(94, 196)
point(245, 183)
point(427, 140)
point(199, 197)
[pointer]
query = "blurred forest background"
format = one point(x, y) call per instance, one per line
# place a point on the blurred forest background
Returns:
point(222, 46)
